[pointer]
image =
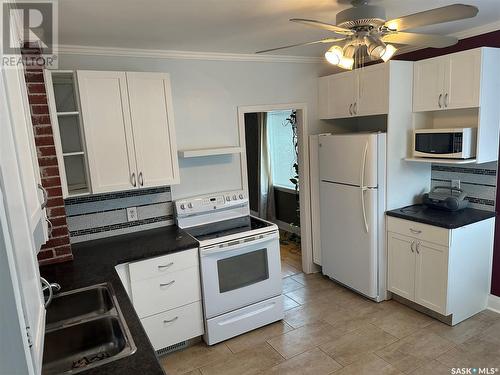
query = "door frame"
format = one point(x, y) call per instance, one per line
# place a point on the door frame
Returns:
point(308, 265)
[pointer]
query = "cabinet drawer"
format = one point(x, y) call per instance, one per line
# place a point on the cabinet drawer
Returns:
point(174, 326)
point(166, 292)
point(421, 231)
point(163, 265)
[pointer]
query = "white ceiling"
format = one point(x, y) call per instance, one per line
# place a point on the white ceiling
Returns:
point(231, 26)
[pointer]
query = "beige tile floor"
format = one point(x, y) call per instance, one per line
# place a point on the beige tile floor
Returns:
point(328, 329)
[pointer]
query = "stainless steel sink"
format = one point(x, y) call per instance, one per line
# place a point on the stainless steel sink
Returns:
point(85, 329)
point(78, 305)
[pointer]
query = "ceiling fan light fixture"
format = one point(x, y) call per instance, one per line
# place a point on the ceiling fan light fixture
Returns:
point(334, 55)
point(346, 63)
point(350, 50)
point(390, 50)
point(375, 47)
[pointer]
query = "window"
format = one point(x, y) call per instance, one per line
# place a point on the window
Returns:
point(281, 148)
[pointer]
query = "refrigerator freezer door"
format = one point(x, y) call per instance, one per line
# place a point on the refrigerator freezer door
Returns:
point(349, 236)
point(349, 159)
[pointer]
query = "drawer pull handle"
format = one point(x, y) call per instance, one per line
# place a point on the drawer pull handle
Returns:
point(171, 320)
point(166, 266)
point(417, 247)
point(167, 284)
point(415, 231)
point(411, 246)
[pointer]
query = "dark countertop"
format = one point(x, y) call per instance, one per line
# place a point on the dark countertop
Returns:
point(441, 218)
point(94, 263)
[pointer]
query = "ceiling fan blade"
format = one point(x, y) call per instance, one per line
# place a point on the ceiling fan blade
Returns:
point(430, 17)
point(323, 25)
point(425, 40)
point(328, 40)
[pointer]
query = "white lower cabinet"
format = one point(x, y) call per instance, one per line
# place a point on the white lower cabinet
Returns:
point(173, 326)
point(401, 277)
point(166, 295)
point(447, 271)
point(166, 292)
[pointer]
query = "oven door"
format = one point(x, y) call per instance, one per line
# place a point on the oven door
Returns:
point(241, 272)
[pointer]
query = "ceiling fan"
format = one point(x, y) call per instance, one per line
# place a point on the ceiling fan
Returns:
point(363, 33)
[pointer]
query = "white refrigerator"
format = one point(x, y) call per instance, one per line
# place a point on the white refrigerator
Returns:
point(352, 206)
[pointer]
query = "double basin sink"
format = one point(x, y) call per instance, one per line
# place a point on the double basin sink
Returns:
point(84, 329)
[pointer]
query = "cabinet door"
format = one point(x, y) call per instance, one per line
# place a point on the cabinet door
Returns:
point(342, 94)
point(323, 100)
point(153, 128)
point(431, 276)
point(373, 90)
point(25, 148)
point(428, 84)
point(108, 131)
point(401, 265)
point(462, 79)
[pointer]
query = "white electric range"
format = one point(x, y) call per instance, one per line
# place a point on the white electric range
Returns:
point(239, 260)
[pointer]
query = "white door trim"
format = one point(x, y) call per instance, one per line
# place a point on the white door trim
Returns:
point(305, 187)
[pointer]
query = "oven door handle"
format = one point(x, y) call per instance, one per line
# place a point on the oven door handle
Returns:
point(258, 238)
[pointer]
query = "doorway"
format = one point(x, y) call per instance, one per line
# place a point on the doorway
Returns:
point(272, 166)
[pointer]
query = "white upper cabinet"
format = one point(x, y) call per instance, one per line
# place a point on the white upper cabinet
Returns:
point(373, 86)
point(129, 130)
point(342, 94)
point(361, 92)
point(448, 82)
point(108, 130)
point(460, 90)
point(428, 84)
point(153, 128)
point(462, 79)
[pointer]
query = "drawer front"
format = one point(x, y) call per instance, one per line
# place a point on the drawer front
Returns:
point(163, 265)
point(173, 326)
point(152, 296)
point(420, 231)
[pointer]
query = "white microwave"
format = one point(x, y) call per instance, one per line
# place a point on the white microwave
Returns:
point(457, 143)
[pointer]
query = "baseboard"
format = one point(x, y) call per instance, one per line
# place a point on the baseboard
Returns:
point(494, 303)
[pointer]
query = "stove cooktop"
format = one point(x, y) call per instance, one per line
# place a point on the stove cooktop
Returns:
point(226, 227)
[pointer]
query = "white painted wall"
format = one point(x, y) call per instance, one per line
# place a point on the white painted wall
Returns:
point(206, 96)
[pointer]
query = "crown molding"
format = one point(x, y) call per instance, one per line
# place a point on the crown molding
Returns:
point(478, 30)
point(66, 49)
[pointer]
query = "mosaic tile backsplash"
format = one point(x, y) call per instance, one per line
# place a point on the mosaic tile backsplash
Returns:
point(477, 180)
point(105, 215)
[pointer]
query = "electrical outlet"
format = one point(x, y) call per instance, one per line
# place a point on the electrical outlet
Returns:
point(131, 213)
point(455, 184)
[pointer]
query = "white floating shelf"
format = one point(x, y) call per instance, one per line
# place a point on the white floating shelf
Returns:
point(210, 152)
point(62, 114)
point(442, 161)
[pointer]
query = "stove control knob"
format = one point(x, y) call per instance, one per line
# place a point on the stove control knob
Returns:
point(228, 198)
point(234, 197)
point(241, 196)
point(183, 206)
point(190, 205)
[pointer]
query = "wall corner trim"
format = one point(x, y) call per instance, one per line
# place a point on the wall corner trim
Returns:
point(65, 49)
point(494, 303)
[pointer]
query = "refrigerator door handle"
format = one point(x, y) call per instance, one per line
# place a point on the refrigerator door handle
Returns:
point(363, 209)
point(363, 165)
point(362, 185)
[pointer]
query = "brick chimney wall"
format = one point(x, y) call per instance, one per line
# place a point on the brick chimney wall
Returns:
point(58, 248)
